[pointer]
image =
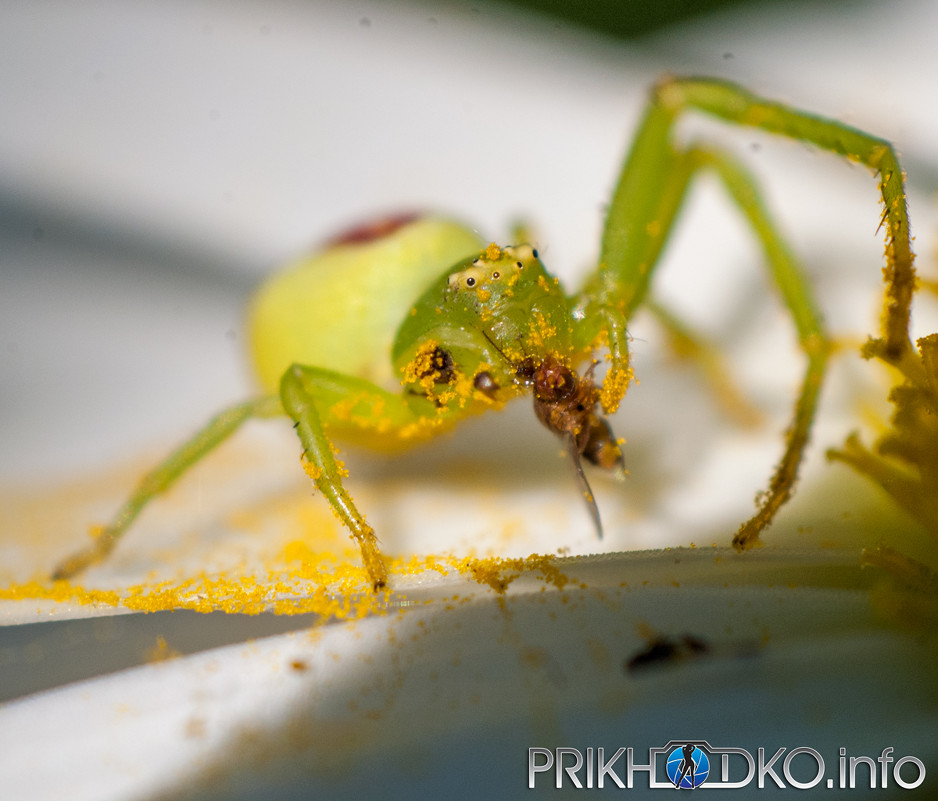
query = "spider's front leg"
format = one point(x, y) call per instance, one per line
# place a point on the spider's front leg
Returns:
point(312, 397)
point(648, 197)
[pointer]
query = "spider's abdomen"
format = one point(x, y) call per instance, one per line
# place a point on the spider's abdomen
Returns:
point(339, 308)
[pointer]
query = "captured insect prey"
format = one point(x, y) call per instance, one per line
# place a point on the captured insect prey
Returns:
point(397, 331)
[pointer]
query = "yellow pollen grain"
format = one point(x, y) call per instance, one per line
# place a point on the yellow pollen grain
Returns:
point(422, 365)
point(614, 387)
point(499, 573)
point(314, 471)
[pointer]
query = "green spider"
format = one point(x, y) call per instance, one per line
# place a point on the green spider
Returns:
point(490, 324)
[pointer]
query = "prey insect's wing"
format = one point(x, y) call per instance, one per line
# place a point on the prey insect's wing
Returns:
point(570, 442)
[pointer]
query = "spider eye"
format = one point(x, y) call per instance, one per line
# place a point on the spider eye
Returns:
point(496, 275)
point(534, 253)
point(470, 281)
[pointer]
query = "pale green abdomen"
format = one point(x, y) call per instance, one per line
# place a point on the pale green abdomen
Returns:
point(341, 308)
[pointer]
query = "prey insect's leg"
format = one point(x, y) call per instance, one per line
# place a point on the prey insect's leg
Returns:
point(312, 396)
point(158, 480)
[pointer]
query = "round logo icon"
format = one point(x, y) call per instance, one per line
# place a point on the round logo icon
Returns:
point(688, 767)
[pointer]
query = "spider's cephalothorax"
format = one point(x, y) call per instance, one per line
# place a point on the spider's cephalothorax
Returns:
point(510, 331)
point(499, 314)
